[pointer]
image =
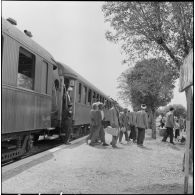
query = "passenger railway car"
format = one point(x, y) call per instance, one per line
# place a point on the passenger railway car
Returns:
point(33, 89)
point(27, 83)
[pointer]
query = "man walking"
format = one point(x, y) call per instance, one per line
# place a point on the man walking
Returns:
point(169, 124)
point(142, 124)
point(124, 119)
point(114, 122)
point(102, 133)
point(92, 121)
point(132, 123)
point(95, 124)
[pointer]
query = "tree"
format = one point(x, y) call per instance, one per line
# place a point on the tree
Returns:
point(151, 28)
point(150, 82)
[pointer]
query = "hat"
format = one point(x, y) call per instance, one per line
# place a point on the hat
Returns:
point(70, 89)
point(143, 106)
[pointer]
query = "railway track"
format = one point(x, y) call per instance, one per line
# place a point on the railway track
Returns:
point(40, 146)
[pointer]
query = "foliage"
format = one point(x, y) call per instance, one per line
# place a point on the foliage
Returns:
point(150, 82)
point(180, 110)
point(151, 29)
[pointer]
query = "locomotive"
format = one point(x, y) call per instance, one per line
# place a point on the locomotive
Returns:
point(33, 89)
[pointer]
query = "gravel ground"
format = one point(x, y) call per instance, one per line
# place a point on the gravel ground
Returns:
point(79, 168)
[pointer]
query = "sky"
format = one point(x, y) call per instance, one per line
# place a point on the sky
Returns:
point(74, 33)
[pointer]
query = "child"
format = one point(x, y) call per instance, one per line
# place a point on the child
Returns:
point(176, 129)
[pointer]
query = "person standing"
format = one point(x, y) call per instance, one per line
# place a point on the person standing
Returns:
point(68, 123)
point(141, 124)
point(124, 119)
point(92, 121)
point(102, 133)
point(177, 129)
point(114, 122)
point(162, 122)
point(95, 125)
point(67, 116)
point(169, 124)
point(132, 123)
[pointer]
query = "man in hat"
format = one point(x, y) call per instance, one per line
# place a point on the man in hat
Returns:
point(102, 133)
point(114, 122)
point(132, 123)
point(92, 115)
point(95, 124)
point(141, 124)
point(124, 119)
point(68, 123)
point(169, 124)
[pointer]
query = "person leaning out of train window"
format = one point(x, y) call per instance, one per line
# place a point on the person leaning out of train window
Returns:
point(68, 123)
point(114, 122)
point(102, 133)
point(68, 95)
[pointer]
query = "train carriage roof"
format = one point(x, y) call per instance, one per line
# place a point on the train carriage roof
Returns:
point(69, 72)
point(21, 37)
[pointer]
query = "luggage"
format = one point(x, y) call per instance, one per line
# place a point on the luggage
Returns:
point(112, 131)
point(123, 129)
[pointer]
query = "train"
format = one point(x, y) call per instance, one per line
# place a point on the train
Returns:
point(33, 87)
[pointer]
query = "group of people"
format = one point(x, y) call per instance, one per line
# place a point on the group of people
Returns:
point(97, 119)
point(131, 124)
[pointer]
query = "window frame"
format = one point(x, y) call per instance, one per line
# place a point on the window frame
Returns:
point(79, 92)
point(89, 96)
point(33, 67)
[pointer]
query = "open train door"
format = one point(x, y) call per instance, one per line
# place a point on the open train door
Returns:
point(67, 79)
point(186, 84)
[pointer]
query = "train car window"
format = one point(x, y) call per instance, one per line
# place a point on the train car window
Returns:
point(94, 96)
point(57, 84)
point(98, 96)
point(89, 96)
point(26, 69)
point(85, 94)
point(44, 77)
point(79, 100)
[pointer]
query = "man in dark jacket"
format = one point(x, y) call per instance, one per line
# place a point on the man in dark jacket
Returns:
point(141, 124)
point(68, 123)
point(169, 124)
point(102, 133)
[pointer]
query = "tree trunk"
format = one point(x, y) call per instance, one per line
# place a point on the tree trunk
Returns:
point(154, 124)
